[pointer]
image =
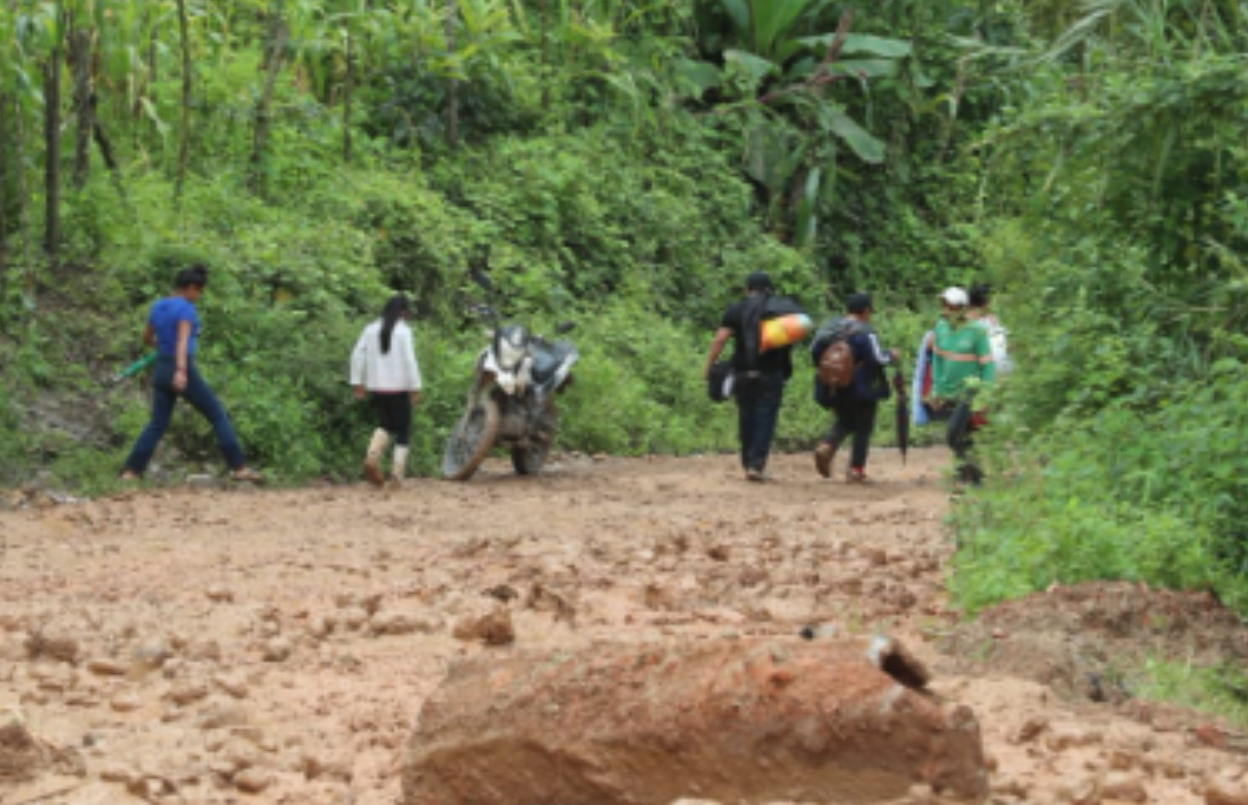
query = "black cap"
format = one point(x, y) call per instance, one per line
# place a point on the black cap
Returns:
point(858, 302)
point(758, 281)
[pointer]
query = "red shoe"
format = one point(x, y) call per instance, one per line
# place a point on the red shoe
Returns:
point(857, 476)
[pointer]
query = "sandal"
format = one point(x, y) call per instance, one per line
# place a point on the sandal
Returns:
point(246, 475)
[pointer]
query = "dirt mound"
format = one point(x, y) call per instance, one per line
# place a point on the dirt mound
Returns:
point(21, 756)
point(1087, 640)
point(740, 720)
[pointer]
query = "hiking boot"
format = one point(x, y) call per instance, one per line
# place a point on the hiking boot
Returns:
point(855, 475)
point(824, 454)
point(399, 469)
point(372, 463)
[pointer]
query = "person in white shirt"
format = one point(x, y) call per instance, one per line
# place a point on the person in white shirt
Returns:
point(383, 364)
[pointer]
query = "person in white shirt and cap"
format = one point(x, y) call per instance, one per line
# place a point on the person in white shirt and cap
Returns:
point(383, 365)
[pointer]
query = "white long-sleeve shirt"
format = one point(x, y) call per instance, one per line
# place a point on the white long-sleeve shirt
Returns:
point(395, 371)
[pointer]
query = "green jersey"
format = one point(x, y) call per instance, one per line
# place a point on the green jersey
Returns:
point(960, 352)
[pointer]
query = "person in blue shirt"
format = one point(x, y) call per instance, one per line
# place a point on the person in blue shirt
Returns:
point(855, 406)
point(173, 328)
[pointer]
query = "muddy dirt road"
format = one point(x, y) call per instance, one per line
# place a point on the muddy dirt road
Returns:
point(252, 645)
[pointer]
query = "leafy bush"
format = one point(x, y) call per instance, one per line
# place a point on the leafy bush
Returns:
point(1142, 495)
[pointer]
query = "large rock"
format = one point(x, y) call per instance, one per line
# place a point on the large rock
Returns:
point(746, 721)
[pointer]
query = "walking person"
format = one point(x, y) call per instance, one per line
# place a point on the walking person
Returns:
point(979, 310)
point(759, 376)
point(962, 362)
point(383, 364)
point(854, 407)
point(173, 328)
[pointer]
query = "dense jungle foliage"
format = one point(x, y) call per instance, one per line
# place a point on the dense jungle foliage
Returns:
point(625, 165)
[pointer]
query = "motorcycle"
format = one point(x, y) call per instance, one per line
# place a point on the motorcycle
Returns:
point(511, 403)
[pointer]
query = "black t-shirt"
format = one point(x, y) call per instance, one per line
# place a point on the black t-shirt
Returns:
point(772, 362)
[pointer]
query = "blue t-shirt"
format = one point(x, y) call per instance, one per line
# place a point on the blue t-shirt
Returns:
point(166, 315)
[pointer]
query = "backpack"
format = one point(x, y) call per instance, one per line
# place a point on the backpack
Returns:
point(998, 340)
point(755, 333)
point(833, 356)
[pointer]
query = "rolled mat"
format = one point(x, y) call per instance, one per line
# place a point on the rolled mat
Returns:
point(783, 331)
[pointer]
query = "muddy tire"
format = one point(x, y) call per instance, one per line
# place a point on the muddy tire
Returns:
point(471, 441)
point(529, 460)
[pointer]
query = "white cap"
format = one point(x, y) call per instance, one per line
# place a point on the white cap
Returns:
point(955, 296)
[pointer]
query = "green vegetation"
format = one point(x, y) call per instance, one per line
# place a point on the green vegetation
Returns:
point(624, 165)
point(1221, 691)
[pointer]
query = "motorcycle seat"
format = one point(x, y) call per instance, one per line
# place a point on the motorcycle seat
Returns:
point(548, 357)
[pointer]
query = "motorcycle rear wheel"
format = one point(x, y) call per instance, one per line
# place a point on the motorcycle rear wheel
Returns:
point(529, 460)
point(471, 441)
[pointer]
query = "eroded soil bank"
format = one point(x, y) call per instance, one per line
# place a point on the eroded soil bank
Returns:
point(229, 645)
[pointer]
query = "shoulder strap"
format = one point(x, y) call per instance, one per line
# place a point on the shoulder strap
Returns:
point(751, 318)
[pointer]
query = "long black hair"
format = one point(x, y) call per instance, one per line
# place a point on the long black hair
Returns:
point(395, 308)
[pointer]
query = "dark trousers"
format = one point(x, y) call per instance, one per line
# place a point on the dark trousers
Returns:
point(856, 417)
point(394, 413)
point(958, 430)
point(758, 410)
point(199, 394)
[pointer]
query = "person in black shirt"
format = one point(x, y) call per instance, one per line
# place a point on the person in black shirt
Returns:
point(855, 406)
point(759, 378)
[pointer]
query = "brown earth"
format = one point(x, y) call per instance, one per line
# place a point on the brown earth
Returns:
point(249, 645)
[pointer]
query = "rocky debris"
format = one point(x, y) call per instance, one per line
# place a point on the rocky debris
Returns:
point(106, 667)
point(219, 594)
point(1226, 791)
point(22, 757)
point(1079, 638)
point(401, 623)
point(751, 720)
point(253, 780)
point(278, 649)
point(494, 628)
point(52, 642)
point(544, 599)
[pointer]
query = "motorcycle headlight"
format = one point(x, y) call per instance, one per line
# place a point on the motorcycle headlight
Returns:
point(509, 355)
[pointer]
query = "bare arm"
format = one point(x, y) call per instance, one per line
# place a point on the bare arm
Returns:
point(717, 346)
point(184, 340)
point(149, 335)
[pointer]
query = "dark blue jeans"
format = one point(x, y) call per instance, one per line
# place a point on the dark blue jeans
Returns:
point(855, 417)
point(758, 410)
point(164, 398)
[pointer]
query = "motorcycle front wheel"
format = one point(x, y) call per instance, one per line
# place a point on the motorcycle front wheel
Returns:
point(471, 441)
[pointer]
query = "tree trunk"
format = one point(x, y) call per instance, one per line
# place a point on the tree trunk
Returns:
point(52, 153)
point(106, 151)
point(184, 145)
point(84, 104)
point(273, 66)
point(545, 57)
point(23, 190)
point(153, 50)
point(452, 88)
point(4, 197)
point(347, 91)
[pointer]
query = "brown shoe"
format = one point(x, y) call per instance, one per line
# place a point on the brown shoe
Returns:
point(372, 471)
point(824, 454)
point(754, 475)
